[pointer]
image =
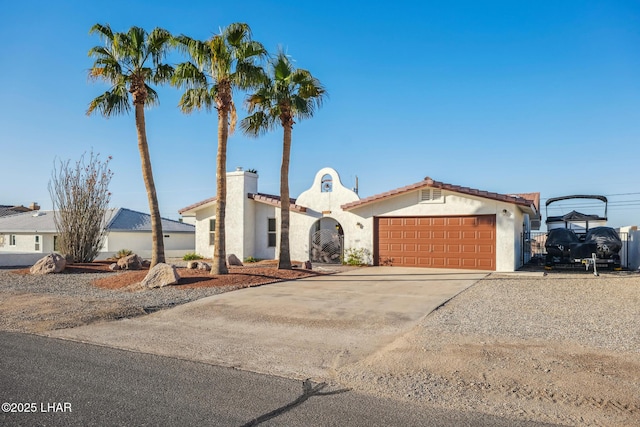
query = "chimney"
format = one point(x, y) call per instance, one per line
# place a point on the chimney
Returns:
point(34, 206)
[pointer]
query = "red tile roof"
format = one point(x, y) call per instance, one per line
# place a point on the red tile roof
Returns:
point(275, 201)
point(197, 205)
point(258, 197)
point(428, 182)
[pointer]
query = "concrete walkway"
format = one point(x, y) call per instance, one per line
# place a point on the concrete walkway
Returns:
point(299, 329)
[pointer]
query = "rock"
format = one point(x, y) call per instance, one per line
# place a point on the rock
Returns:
point(131, 262)
point(161, 275)
point(234, 260)
point(204, 266)
point(52, 263)
point(307, 265)
point(193, 264)
point(114, 267)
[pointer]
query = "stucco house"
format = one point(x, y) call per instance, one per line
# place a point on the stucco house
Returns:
point(26, 237)
point(425, 224)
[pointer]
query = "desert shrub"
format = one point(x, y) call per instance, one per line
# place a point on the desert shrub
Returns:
point(191, 256)
point(80, 197)
point(251, 259)
point(123, 253)
point(360, 256)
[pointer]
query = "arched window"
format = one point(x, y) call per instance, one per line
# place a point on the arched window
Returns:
point(326, 185)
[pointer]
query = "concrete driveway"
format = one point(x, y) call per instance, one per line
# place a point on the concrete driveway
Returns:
point(300, 329)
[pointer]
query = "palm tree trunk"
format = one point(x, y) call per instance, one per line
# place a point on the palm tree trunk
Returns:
point(284, 259)
point(157, 249)
point(219, 250)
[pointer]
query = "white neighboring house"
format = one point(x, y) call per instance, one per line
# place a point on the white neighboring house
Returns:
point(27, 237)
point(426, 224)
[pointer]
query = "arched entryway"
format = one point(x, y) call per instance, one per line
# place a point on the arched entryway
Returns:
point(326, 241)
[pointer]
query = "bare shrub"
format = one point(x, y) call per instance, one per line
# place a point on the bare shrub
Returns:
point(80, 197)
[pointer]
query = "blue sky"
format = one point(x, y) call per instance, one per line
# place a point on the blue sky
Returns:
point(504, 96)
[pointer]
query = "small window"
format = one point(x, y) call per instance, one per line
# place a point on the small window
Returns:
point(271, 232)
point(12, 240)
point(37, 243)
point(212, 232)
point(326, 184)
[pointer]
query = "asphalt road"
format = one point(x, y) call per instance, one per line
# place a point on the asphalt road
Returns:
point(63, 383)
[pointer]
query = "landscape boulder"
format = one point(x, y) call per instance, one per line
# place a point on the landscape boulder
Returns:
point(114, 267)
point(131, 262)
point(52, 263)
point(204, 266)
point(234, 260)
point(161, 275)
point(192, 265)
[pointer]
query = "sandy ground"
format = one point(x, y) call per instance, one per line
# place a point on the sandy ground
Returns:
point(564, 348)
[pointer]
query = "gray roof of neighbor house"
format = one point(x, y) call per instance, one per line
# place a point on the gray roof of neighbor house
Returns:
point(118, 219)
point(128, 220)
point(6, 210)
point(36, 221)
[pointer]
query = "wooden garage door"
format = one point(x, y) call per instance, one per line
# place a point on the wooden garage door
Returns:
point(438, 242)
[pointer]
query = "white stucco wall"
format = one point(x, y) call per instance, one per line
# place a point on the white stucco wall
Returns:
point(246, 227)
point(321, 204)
point(140, 242)
point(240, 223)
point(508, 225)
point(203, 215)
point(26, 243)
point(263, 212)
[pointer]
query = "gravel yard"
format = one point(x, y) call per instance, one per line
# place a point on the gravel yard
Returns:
point(562, 348)
point(87, 293)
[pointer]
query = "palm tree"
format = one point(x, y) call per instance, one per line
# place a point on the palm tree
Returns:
point(287, 94)
point(130, 62)
point(226, 61)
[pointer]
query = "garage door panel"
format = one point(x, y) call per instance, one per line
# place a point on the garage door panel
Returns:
point(485, 264)
point(485, 249)
point(410, 247)
point(470, 221)
point(485, 234)
point(444, 242)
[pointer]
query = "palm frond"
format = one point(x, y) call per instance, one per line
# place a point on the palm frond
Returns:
point(257, 124)
point(163, 74)
point(136, 45)
point(158, 42)
point(235, 34)
point(152, 97)
point(188, 75)
point(112, 102)
point(197, 50)
point(248, 75)
point(286, 94)
point(196, 99)
point(103, 31)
